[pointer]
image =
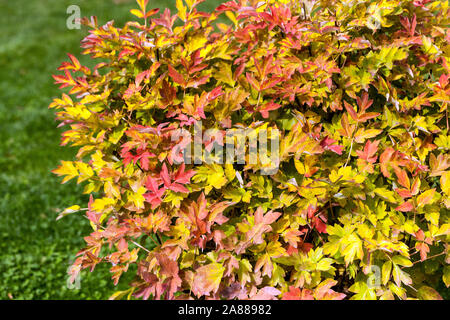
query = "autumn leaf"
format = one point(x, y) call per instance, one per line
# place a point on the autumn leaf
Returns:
point(298, 294)
point(176, 77)
point(425, 198)
point(405, 207)
point(362, 166)
point(428, 293)
point(68, 211)
point(66, 169)
point(207, 279)
point(369, 152)
point(324, 292)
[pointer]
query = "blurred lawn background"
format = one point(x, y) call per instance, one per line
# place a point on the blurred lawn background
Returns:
point(36, 250)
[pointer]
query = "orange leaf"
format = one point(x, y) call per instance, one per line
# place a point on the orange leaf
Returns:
point(405, 207)
point(403, 178)
point(298, 294)
point(351, 111)
point(425, 198)
point(178, 78)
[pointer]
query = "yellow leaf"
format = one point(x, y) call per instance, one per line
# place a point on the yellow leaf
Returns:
point(274, 249)
point(137, 13)
point(213, 175)
point(446, 276)
point(428, 46)
point(230, 172)
point(385, 194)
point(68, 210)
point(97, 160)
point(142, 4)
point(66, 169)
point(100, 204)
point(231, 16)
point(445, 183)
point(425, 198)
point(207, 279)
point(137, 197)
point(94, 227)
point(85, 170)
point(401, 260)
point(190, 3)
point(300, 167)
point(365, 231)
point(361, 135)
point(353, 249)
point(181, 10)
point(386, 272)
point(399, 291)
point(196, 42)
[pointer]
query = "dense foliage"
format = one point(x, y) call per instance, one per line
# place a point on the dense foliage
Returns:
point(358, 91)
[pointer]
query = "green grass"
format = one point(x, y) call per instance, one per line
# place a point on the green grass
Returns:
point(36, 250)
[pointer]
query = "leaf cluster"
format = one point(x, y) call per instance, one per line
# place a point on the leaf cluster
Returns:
point(359, 91)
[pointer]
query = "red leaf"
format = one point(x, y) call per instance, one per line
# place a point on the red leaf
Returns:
point(215, 93)
point(251, 79)
point(176, 77)
point(175, 181)
point(369, 153)
point(151, 13)
point(423, 249)
point(292, 237)
point(165, 175)
point(351, 111)
point(364, 103)
point(329, 144)
point(126, 52)
point(404, 193)
point(324, 291)
point(367, 116)
point(183, 176)
point(420, 235)
point(403, 178)
point(154, 197)
point(269, 106)
point(405, 207)
point(75, 61)
point(319, 225)
point(298, 294)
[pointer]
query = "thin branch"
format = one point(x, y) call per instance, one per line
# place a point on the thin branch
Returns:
point(138, 245)
point(428, 258)
point(351, 146)
point(349, 154)
point(159, 239)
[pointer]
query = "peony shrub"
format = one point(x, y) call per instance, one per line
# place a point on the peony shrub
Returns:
point(347, 198)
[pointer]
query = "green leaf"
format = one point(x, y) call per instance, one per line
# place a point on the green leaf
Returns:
point(446, 276)
point(386, 272)
point(401, 260)
point(400, 276)
point(363, 292)
point(428, 293)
